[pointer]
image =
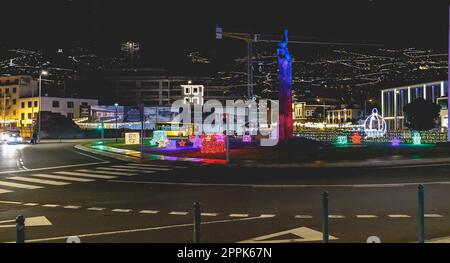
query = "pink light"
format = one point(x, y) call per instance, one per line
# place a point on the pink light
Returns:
point(246, 138)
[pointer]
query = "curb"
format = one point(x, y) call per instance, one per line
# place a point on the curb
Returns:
point(134, 156)
point(120, 157)
point(362, 164)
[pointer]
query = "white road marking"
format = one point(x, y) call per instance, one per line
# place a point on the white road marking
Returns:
point(4, 191)
point(281, 186)
point(238, 215)
point(433, 216)
point(10, 202)
point(398, 216)
point(303, 234)
point(149, 165)
point(96, 208)
point(366, 216)
point(209, 214)
point(72, 207)
point(106, 172)
point(31, 204)
point(129, 169)
point(148, 211)
point(91, 156)
point(87, 175)
point(17, 185)
point(35, 180)
point(67, 178)
point(176, 213)
point(304, 216)
point(53, 167)
point(30, 221)
point(127, 231)
point(267, 215)
point(122, 210)
point(336, 216)
point(144, 168)
point(50, 205)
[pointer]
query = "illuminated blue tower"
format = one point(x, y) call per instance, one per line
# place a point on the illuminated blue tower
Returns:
point(285, 89)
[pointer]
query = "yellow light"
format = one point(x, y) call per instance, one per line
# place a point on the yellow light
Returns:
point(132, 138)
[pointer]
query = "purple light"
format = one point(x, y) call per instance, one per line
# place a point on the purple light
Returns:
point(247, 138)
point(395, 141)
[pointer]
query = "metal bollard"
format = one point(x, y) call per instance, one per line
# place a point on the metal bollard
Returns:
point(325, 217)
point(421, 215)
point(197, 222)
point(20, 229)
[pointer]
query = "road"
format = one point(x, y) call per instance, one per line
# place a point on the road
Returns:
point(100, 199)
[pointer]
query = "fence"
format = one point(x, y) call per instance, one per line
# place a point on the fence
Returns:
point(403, 136)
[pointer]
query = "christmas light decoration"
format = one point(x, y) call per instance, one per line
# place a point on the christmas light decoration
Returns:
point(196, 141)
point(182, 143)
point(356, 138)
point(395, 141)
point(159, 139)
point(417, 139)
point(246, 138)
point(342, 140)
point(375, 125)
point(132, 138)
point(171, 144)
point(212, 144)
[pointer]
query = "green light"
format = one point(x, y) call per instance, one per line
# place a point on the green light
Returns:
point(342, 140)
point(417, 139)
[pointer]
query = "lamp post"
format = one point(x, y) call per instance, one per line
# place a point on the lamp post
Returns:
point(365, 106)
point(324, 117)
point(117, 131)
point(42, 73)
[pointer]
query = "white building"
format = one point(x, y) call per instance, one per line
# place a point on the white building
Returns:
point(69, 107)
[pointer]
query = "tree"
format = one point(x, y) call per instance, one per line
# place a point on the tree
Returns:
point(421, 115)
point(55, 125)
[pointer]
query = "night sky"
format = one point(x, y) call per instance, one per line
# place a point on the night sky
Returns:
point(172, 26)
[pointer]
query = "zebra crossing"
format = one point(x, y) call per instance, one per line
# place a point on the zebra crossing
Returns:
point(61, 178)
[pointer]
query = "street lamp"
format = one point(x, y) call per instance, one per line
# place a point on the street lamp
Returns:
point(117, 131)
point(42, 73)
point(318, 100)
point(365, 105)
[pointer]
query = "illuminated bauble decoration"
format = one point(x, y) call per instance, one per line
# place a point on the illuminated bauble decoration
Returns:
point(159, 139)
point(246, 138)
point(171, 144)
point(417, 139)
point(342, 140)
point(196, 141)
point(375, 125)
point(356, 138)
point(395, 141)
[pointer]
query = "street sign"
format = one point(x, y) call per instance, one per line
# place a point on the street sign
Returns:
point(301, 234)
point(31, 221)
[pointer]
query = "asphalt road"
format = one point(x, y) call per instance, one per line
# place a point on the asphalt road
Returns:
point(104, 200)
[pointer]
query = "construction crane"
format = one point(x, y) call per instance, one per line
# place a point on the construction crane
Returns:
point(250, 38)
